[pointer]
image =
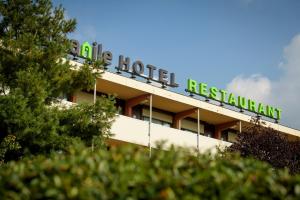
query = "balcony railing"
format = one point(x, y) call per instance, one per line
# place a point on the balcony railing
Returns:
point(136, 131)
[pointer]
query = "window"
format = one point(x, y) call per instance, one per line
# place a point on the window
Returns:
point(167, 124)
point(157, 121)
point(184, 129)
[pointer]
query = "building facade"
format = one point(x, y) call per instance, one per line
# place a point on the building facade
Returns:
point(149, 112)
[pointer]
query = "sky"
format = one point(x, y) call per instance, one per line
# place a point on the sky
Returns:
point(249, 47)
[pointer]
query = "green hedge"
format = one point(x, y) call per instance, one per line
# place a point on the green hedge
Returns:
point(129, 173)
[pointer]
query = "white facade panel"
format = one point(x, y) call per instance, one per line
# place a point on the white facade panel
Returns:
point(136, 131)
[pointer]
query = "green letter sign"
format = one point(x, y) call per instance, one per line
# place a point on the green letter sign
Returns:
point(86, 50)
point(240, 102)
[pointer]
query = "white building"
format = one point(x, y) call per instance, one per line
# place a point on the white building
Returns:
point(150, 113)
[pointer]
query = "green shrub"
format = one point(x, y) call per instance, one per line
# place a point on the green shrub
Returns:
point(129, 173)
point(268, 145)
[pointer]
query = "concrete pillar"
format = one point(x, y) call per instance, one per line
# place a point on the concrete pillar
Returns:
point(220, 127)
point(133, 102)
point(181, 115)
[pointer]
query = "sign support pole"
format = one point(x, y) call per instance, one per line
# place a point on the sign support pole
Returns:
point(95, 96)
point(149, 128)
point(95, 91)
point(198, 129)
point(240, 126)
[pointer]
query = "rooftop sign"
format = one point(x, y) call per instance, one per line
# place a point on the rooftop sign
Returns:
point(225, 97)
point(136, 68)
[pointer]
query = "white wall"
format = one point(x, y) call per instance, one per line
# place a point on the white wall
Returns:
point(136, 131)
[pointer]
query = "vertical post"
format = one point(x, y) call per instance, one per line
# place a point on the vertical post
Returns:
point(95, 96)
point(149, 129)
point(198, 129)
point(240, 128)
point(95, 91)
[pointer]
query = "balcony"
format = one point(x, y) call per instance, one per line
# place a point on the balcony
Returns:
point(136, 131)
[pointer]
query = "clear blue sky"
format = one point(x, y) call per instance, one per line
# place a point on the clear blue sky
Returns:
point(212, 41)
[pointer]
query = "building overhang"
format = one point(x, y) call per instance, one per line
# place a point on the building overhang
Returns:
point(127, 88)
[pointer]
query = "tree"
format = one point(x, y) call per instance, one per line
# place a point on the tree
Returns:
point(267, 144)
point(34, 73)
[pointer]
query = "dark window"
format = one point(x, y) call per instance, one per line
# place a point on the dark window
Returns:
point(224, 135)
point(157, 121)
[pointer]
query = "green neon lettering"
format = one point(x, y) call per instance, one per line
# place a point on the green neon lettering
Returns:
point(86, 50)
point(203, 89)
point(192, 85)
point(213, 93)
point(278, 111)
point(261, 109)
point(251, 105)
point(231, 99)
point(223, 95)
point(242, 102)
point(270, 111)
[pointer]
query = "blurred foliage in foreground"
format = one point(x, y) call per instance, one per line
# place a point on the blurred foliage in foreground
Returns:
point(128, 173)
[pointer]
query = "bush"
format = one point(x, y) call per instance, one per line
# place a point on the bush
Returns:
point(267, 144)
point(129, 173)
